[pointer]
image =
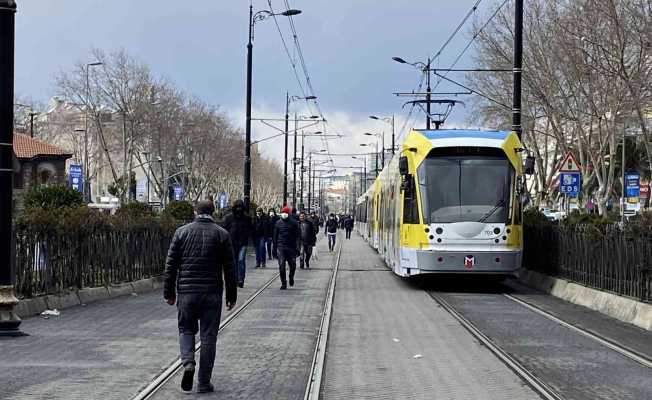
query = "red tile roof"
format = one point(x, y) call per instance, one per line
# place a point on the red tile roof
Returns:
point(27, 147)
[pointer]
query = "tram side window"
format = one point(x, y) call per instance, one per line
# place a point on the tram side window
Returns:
point(410, 208)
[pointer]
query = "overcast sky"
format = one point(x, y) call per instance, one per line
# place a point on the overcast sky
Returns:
point(201, 46)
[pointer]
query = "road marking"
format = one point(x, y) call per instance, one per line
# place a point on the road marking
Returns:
point(535, 383)
point(317, 368)
point(171, 370)
point(639, 358)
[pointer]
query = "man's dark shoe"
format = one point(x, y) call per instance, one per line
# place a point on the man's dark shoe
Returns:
point(291, 281)
point(206, 388)
point(241, 284)
point(257, 266)
point(186, 380)
point(284, 287)
point(263, 266)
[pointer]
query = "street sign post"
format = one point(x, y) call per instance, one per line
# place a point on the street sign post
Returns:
point(178, 192)
point(76, 177)
point(570, 183)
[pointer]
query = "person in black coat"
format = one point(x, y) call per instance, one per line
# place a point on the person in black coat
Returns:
point(348, 225)
point(261, 226)
point(331, 231)
point(239, 226)
point(286, 238)
point(269, 234)
point(308, 238)
point(198, 267)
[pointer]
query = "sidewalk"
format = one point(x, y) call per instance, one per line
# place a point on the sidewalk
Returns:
point(105, 350)
point(389, 340)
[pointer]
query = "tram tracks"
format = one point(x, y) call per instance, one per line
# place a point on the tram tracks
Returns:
point(528, 374)
point(160, 380)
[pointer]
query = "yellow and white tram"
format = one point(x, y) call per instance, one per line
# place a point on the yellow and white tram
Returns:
point(450, 203)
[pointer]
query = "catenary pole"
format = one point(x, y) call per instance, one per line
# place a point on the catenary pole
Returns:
point(247, 166)
point(518, 67)
point(285, 158)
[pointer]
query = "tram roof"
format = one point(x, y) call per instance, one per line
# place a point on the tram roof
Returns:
point(463, 133)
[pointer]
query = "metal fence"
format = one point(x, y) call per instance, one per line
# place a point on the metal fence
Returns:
point(611, 260)
point(51, 264)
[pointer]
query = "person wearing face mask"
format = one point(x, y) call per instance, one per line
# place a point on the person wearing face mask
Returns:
point(239, 226)
point(331, 231)
point(269, 234)
point(286, 237)
point(308, 239)
point(261, 223)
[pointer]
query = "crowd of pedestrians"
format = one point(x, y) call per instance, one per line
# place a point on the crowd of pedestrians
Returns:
point(207, 259)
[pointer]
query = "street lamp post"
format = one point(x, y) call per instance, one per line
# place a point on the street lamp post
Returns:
point(87, 188)
point(389, 120)
point(425, 67)
point(253, 18)
point(9, 321)
point(382, 136)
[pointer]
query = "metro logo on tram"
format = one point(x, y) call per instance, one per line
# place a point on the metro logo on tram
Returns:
point(469, 262)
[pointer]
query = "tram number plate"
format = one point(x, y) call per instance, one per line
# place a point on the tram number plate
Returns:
point(469, 262)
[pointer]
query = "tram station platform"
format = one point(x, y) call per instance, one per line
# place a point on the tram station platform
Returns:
point(388, 338)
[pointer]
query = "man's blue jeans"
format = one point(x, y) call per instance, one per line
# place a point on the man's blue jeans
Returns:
point(261, 251)
point(241, 255)
point(199, 312)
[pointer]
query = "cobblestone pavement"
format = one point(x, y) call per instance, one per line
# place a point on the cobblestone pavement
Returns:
point(105, 350)
point(389, 340)
point(266, 353)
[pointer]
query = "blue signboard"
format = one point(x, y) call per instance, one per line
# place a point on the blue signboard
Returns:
point(570, 183)
point(178, 192)
point(76, 177)
point(632, 184)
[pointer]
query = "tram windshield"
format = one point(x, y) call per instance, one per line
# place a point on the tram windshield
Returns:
point(468, 188)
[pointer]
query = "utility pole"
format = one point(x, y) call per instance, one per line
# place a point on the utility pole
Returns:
point(294, 165)
point(518, 67)
point(428, 94)
point(393, 136)
point(247, 166)
point(9, 321)
point(309, 181)
point(301, 205)
point(285, 158)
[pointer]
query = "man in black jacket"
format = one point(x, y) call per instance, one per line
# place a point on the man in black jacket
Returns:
point(239, 226)
point(269, 234)
point(199, 256)
point(261, 223)
point(331, 231)
point(286, 237)
point(348, 225)
point(308, 239)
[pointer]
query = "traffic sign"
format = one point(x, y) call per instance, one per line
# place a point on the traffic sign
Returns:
point(569, 164)
point(570, 183)
point(76, 177)
point(178, 193)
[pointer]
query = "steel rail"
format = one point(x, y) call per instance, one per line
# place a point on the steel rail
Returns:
point(317, 368)
point(158, 382)
point(532, 380)
point(619, 348)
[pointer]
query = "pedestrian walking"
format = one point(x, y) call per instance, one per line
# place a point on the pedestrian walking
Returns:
point(238, 224)
point(286, 237)
point(348, 226)
point(261, 226)
point(331, 231)
point(269, 234)
point(308, 239)
point(199, 266)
